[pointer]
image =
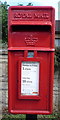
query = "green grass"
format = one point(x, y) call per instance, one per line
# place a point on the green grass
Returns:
point(54, 116)
point(14, 117)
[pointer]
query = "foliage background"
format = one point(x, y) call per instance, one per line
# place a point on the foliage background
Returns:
point(4, 7)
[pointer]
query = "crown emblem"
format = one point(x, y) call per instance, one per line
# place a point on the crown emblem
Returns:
point(30, 40)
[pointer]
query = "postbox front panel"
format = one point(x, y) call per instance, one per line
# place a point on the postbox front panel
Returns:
point(29, 101)
point(29, 38)
point(31, 60)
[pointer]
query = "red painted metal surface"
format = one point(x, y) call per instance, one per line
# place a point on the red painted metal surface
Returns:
point(31, 29)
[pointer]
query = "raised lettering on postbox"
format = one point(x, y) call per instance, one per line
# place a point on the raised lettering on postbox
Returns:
point(30, 15)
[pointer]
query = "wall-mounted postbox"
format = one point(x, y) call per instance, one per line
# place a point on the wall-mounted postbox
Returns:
point(31, 59)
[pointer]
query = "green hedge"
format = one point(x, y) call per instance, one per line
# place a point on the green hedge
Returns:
point(57, 57)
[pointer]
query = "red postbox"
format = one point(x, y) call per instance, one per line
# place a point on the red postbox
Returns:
point(30, 59)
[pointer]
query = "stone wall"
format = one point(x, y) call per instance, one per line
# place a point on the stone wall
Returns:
point(4, 84)
point(3, 81)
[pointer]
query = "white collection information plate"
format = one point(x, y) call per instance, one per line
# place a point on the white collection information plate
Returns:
point(30, 78)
